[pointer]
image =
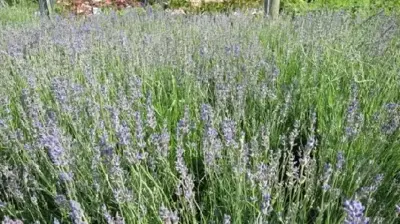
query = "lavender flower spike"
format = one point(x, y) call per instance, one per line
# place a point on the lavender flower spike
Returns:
point(77, 214)
point(167, 216)
point(398, 209)
point(227, 219)
point(355, 213)
point(7, 220)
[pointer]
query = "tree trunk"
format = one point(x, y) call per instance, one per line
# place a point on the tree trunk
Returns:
point(271, 8)
point(46, 7)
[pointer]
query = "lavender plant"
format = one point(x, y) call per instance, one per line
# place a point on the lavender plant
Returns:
point(147, 117)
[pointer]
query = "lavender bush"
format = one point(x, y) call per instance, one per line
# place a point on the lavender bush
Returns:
point(147, 117)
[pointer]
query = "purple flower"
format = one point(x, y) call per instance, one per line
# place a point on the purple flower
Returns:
point(206, 113)
point(7, 220)
point(65, 177)
point(339, 160)
point(114, 113)
point(222, 93)
point(151, 118)
point(119, 219)
point(236, 50)
point(116, 172)
point(202, 51)
point(76, 212)
point(32, 107)
point(227, 219)
point(266, 204)
point(183, 124)
point(2, 204)
point(398, 209)
point(355, 213)
point(392, 122)
point(229, 131)
point(124, 134)
point(122, 195)
point(366, 191)
point(212, 147)
point(392, 107)
point(167, 216)
point(354, 118)
point(327, 176)
point(139, 132)
point(186, 184)
point(106, 151)
point(55, 150)
point(164, 139)
point(134, 88)
point(60, 200)
point(59, 88)
point(109, 219)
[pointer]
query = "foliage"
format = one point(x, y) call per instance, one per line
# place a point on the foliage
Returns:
point(16, 15)
point(148, 117)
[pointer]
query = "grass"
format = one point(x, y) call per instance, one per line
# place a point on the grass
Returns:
point(147, 117)
point(17, 15)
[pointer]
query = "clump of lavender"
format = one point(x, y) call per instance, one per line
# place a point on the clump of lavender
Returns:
point(32, 108)
point(339, 161)
point(161, 141)
point(326, 177)
point(11, 181)
point(103, 150)
point(61, 200)
point(286, 106)
point(211, 147)
point(134, 88)
point(109, 219)
point(365, 192)
point(206, 113)
point(239, 101)
point(355, 212)
point(139, 131)
point(222, 93)
point(211, 144)
point(151, 118)
point(229, 131)
point(53, 143)
point(263, 177)
point(124, 134)
point(59, 87)
point(266, 207)
point(106, 215)
point(183, 124)
point(7, 220)
point(2, 204)
point(116, 172)
point(119, 219)
point(122, 194)
point(227, 219)
point(65, 177)
point(354, 119)
point(312, 141)
point(397, 209)
point(392, 121)
point(167, 216)
point(186, 184)
point(76, 213)
point(114, 115)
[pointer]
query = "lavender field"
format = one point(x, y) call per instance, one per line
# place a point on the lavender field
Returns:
point(147, 117)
